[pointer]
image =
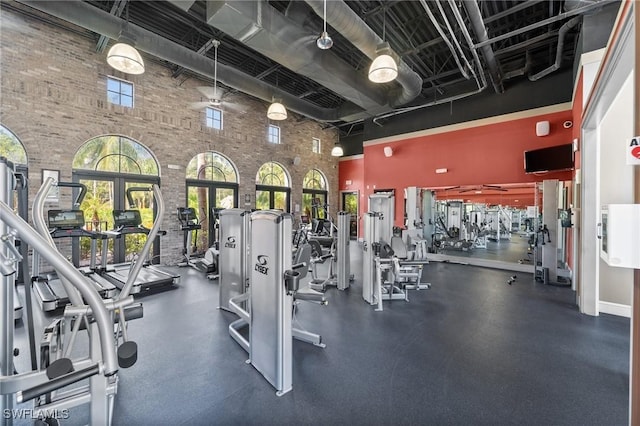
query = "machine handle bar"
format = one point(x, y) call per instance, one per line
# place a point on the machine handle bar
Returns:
point(80, 197)
point(136, 189)
point(57, 383)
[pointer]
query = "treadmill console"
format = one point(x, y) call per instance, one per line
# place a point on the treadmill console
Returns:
point(66, 219)
point(187, 214)
point(126, 218)
point(188, 219)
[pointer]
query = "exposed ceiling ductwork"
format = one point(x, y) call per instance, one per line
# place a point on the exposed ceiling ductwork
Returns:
point(348, 23)
point(96, 20)
point(448, 50)
point(264, 29)
point(475, 17)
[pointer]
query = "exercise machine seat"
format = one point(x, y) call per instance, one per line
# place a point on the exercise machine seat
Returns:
point(399, 248)
point(405, 270)
point(303, 256)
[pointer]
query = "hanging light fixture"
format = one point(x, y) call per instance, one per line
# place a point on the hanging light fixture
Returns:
point(123, 56)
point(324, 42)
point(337, 151)
point(383, 68)
point(276, 111)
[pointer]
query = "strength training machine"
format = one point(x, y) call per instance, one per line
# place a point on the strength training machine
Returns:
point(388, 272)
point(273, 286)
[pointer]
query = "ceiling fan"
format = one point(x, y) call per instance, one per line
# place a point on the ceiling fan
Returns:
point(485, 187)
point(215, 95)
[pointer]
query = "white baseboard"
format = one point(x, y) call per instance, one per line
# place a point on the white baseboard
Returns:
point(615, 309)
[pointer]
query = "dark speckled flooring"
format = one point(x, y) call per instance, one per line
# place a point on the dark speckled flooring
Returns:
point(471, 350)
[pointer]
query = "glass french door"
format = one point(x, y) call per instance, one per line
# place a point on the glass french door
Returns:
point(105, 193)
point(206, 197)
point(314, 210)
point(350, 205)
point(272, 197)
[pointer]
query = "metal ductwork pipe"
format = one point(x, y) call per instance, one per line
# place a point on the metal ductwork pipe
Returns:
point(101, 22)
point(261, 27)
point(475, 17)
point(348, 23)
point(182, 4)
point(564, 29)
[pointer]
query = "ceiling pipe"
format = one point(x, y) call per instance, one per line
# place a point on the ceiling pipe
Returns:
point(467, 37)
point(344, 20)
point(475, 18)
point(579, 11)
point(101, 22)
point(521, 71)
point(282, 39)
point(435, 23)
point(429, 104)
point(564, 29)
point(454, 38)
point(476, 58)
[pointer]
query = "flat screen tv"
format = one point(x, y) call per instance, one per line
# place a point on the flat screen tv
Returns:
point(553, 158)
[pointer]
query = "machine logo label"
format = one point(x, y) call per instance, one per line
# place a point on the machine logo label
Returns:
point(230, 243)
point(261, 264)
point(633, 156)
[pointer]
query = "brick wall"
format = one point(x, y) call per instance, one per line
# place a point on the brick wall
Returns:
point(53, 97)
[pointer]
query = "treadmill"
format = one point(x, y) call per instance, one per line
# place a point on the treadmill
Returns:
point(50, 292)
point(189, 224)
point(150, 278)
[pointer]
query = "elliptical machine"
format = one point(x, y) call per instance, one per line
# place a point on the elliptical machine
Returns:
point(106, 351)
point(190, 225)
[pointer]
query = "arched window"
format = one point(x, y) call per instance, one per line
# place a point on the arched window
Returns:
point(272, 187)
point(109, 166)
point(115, 154)
point(11, 148)
point(212, 166)
point(314, 195)
point(212, 184)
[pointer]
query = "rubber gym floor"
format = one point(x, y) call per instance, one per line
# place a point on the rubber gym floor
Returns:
point(470, 350)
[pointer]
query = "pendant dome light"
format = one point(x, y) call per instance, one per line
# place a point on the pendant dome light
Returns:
point(337, 151)
point(123, 56)
point(276, 111)
point(324, 42)
point(384, 67)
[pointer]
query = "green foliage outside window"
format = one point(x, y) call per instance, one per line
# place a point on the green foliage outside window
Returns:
point(11, 148)
point(114, 155)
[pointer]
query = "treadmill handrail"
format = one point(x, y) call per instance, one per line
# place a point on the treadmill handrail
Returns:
point(138, 263)
point(42, 227)
point(80, 197)
point(132, 204)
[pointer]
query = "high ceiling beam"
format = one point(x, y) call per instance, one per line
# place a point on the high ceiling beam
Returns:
point(116, 10)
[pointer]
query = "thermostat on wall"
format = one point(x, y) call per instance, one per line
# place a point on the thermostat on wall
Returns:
point(620, 235)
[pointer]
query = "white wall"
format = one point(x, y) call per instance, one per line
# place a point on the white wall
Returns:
point(616, 183)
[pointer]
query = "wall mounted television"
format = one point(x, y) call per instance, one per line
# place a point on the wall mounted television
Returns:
point(553, 158)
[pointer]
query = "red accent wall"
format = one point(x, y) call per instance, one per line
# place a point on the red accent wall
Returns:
point(487, 154)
